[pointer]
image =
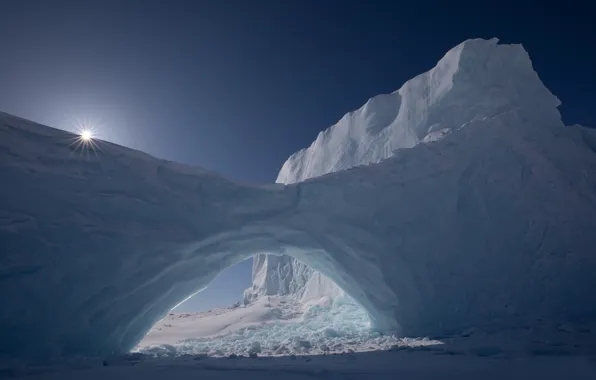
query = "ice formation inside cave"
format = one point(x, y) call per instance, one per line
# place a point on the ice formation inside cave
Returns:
point(283, 322)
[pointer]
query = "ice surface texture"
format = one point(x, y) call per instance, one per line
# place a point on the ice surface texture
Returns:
point(491, 224)
point(476, 79)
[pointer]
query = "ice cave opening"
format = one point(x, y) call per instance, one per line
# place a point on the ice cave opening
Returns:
point(289, 309)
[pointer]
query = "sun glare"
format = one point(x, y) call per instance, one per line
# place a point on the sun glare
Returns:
point(86, 140)
point(86, 135)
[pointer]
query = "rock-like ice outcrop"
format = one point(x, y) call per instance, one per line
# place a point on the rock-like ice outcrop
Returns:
point(490, 225)
point(477, 79)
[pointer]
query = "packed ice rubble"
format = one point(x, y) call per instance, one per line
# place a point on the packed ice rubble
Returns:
point(492, 224)
point(270, 326)
point(477, 79)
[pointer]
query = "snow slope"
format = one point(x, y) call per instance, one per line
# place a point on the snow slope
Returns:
point(490, 226)
point(476, 79)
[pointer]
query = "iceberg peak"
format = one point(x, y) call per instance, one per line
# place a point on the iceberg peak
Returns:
point(476, 79)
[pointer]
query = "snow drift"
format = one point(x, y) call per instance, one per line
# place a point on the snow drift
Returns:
point(491, 224)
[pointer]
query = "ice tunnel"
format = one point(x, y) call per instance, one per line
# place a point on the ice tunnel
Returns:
point(96, 249)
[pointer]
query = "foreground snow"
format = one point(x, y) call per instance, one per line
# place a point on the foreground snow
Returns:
point(538, 352)
point(275, 326)
point(429, 365)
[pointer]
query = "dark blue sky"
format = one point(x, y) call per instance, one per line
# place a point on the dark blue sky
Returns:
point(237, 86)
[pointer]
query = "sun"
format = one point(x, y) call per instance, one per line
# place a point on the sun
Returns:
point(86, 139)
point(86, 135)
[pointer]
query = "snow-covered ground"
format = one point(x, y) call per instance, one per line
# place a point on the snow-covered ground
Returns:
point(527, 352)
point(224, 348)
point(271, 326)
point(278, 337)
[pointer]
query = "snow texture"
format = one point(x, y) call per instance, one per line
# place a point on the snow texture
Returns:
point(490, 226)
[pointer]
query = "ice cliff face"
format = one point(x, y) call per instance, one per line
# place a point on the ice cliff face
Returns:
point(477, 79)
point(491, 225)
point(286, 276)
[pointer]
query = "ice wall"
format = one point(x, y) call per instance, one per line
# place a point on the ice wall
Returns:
point(283, 275)
point(491, 225)
point(474, 80)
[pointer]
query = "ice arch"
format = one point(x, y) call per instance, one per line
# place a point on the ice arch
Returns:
point(490, 225)
point(95, 249)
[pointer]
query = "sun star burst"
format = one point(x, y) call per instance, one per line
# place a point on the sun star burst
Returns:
point(85, 141)
point(86, 135)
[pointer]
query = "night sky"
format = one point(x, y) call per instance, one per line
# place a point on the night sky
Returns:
point(237, 86)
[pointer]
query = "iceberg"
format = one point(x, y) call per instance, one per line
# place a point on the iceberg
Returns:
point(487, 225)
point(477, 79)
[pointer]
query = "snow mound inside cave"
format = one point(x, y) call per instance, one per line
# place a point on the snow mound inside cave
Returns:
point(492, 225)
point(271, 326)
